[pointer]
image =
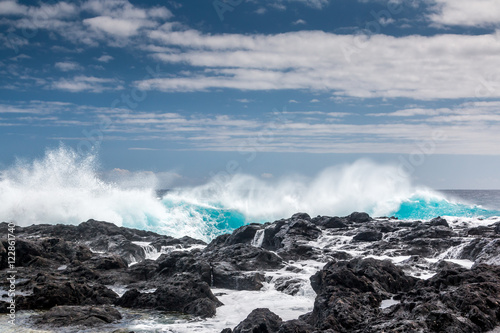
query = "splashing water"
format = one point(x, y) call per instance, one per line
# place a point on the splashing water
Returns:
point(64, 187)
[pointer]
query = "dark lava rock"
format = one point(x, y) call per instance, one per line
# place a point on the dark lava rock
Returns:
point(245, 257)
point(295, 326)
point(89, 316)
point(359, 217)
point(109, 262)
point(480, 231)
point(439, 221)
point(425, 231)
point(244, 234)
point(53, 292)
point(182, 293)
point(288, 237)
point(332, 222)
point(301, 216)
point(184, 262)
point(350, 292)
point(259, 321)
point(368, 236)
point(176, 243)
point(288, 285)
point(454, 300)
point(482, 250)
point(225, 275)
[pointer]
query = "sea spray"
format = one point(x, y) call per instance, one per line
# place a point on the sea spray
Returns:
point(65, 187)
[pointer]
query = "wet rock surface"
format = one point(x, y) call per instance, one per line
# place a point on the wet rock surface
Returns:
point(441, 276)
point(87, 316)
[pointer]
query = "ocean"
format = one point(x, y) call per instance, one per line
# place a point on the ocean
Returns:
point(63, 187)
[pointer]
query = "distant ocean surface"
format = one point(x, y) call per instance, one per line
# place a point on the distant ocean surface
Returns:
point(489, 199)
point(64, 187)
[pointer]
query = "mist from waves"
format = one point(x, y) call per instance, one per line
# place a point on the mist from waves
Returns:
point(64, 187)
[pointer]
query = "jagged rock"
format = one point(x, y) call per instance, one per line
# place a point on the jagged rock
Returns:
point(184, 262)
point(439, 221)
point(108, 262)
point(89, 316)
point(289, 237)
point(425, 231)
point(295, 326)
point(181, 293)
point(331, 222)
point(349, 293)
point(226, 276)
point(245, 257)
point(482, 251)
point(51, 292)
point(368, 236)
point(63, 270)
point(143, 271)
point(288, 285)
point(176, 243)
point(357, 217)
point(259, 321)
point(245, 234)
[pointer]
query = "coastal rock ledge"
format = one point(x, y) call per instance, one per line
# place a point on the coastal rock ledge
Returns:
point(368, 274)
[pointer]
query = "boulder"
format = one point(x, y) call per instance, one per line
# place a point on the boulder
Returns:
point(368, 236)
point(88, 316)
point(182, 293)
point(357, 217)
point(259, 321)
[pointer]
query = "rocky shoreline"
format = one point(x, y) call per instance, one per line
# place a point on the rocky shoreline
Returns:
point(368, 275)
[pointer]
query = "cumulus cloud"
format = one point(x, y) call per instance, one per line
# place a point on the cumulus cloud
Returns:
point(419, 67)
point(86, 83)
point(466, 13)
point(105, 58)
point(111, 22)
point(67, 66)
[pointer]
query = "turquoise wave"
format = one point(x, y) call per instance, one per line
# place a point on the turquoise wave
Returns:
point(419, 208)
point(213, 219)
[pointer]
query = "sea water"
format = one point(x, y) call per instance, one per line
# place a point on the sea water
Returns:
point(64, 187)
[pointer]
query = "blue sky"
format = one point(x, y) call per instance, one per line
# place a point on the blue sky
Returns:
point(187, 89)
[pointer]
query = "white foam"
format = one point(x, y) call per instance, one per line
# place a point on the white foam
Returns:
point(150, 251)
point(388, 303)
point(258, 239)
point(238, 305)
point(361, 186)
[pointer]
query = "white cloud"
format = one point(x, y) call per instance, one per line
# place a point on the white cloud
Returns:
point(310, 131)
point(314, 100)
point(10, 7)
point(66, 66)
point(114, 26)
point(86, 83)
point(261, 10)
point(318, 4)
point(105, 58)
point(419, 67)
point(469, 128)
point(112, 22)
point(299, 22)
point(466, 12)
